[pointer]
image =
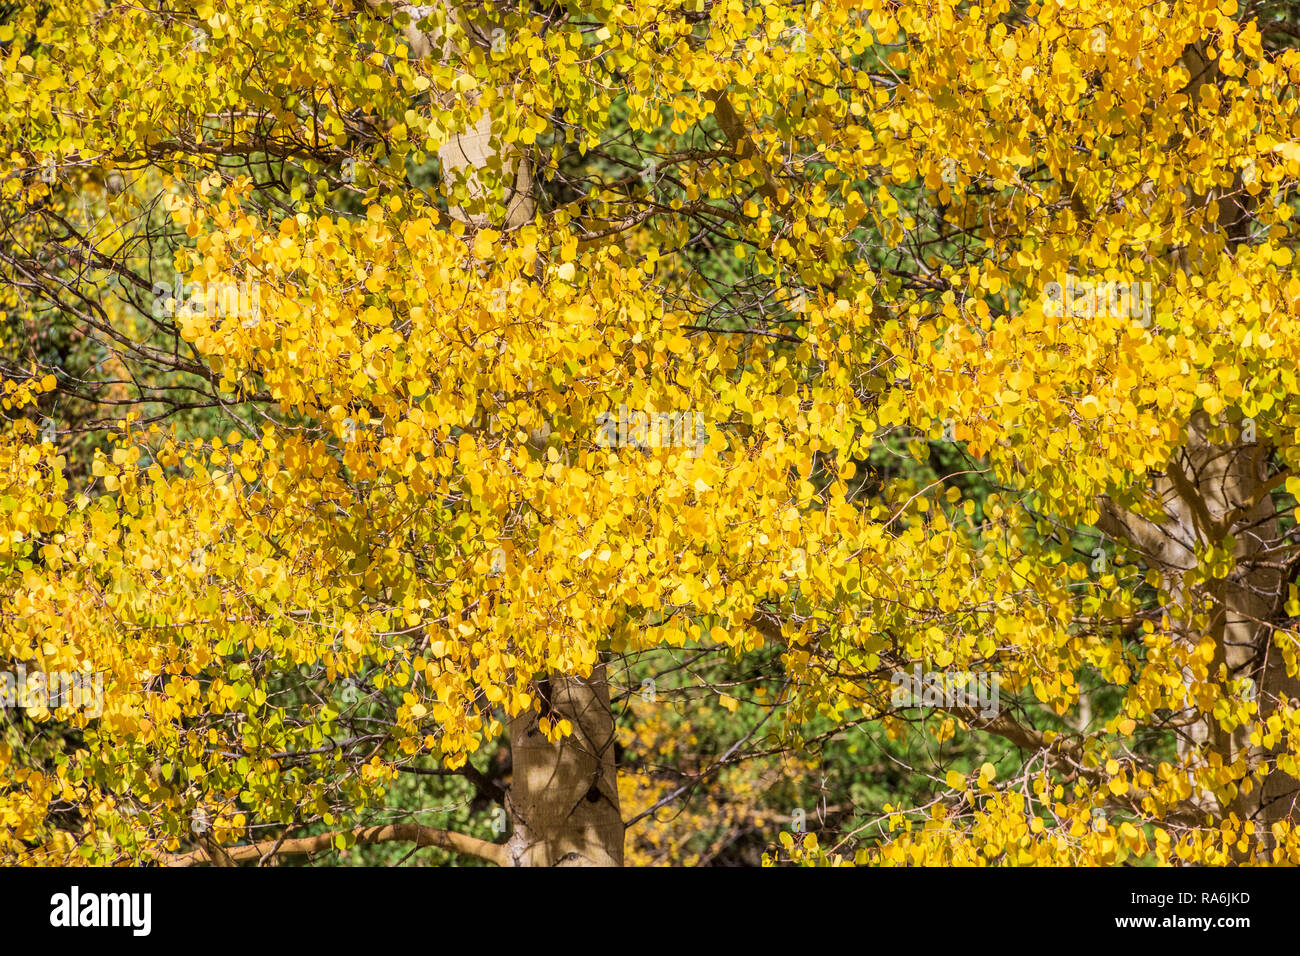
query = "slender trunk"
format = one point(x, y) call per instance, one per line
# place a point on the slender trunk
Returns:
point(1211, 490)
point(1225, 479)
point(563, 798)
point(1221, 481)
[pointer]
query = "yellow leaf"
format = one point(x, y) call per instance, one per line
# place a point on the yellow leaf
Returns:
point(484, 243)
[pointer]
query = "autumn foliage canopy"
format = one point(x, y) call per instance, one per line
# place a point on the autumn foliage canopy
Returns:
point(380, 380)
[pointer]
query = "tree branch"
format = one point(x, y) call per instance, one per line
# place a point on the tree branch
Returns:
point(392, 833)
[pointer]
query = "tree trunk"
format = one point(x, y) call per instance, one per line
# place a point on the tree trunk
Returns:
point(563, 799)
point(1208, 491)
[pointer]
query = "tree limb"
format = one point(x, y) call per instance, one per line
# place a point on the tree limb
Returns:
point(392, 833)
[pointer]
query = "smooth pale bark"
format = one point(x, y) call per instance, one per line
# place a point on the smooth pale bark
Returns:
point(471, 153)
point(1210, 490)
point(563, 798)
point(475, 149)
point(1207, 491)
point(1229, 482)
